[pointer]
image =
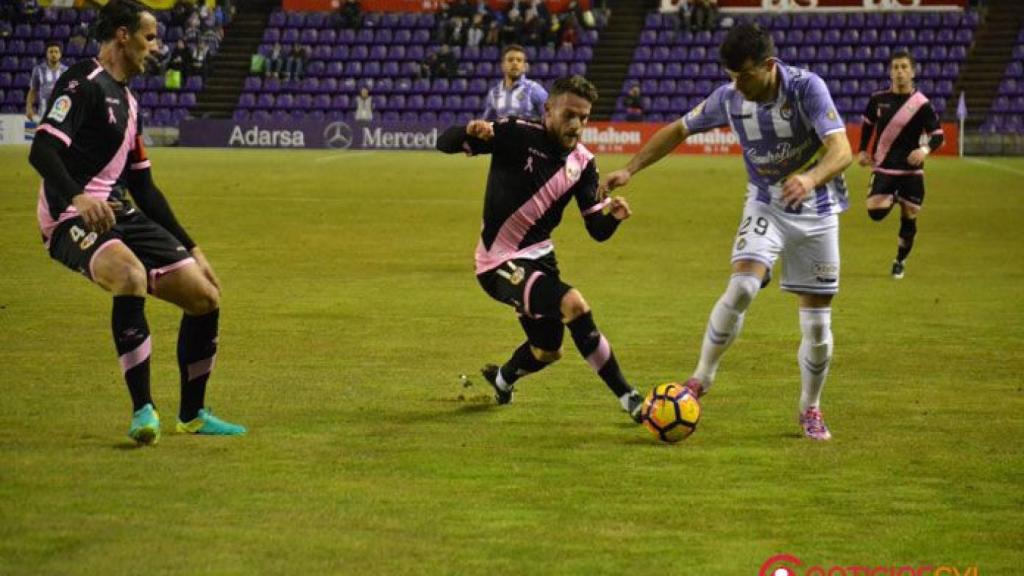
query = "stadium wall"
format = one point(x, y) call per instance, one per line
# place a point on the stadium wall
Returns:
point(407, 5)
point(600, 137)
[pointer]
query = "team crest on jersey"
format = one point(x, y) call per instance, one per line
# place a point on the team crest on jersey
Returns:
point(832, 114)
point(786, 111)
point(572, 171)
point(697, 110)
point(60, 109)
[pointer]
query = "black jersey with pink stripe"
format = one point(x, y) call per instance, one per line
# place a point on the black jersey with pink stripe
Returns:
point(530, 183)
point(900, 120)
point(96, 117)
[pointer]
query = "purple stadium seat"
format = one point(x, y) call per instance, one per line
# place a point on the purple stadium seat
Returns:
point(813, 36)
point(304, 101)
point(882, 53)
point(346, 36)
point(396, 102)
point(378, 52)
point(340, 102)
point(353, 68)
point(869, 36)
point(247, 100)
point(453, 102)
point(421, 36)
point(384, 86)
point(327, 37)
point(873, 70)
point(168, 99)
point(926, 36)
point(383, 36)
point(265, 101)
point(309, 36)
point(187, 100)
point(252, 84)
point(958, 53)
point(472, 103)
point(309, 85)
point(477, 86)
point(416, 102)
point(240, 115)
point(673, 70)
point(832, 36)
point(440, 86)
point(284, 102)
point(271, 85)
point(290, 36)
point(421, 85)
point(150, 100)
point(17, 47)
point(711, 70)
point(888, 36)
point(837, 70)
point(360, 53)
point(962, 37)
point(578, 68)
point(372, 69)
point(278, 19)
point(435, 102)
point(407, 20)
point(5, 80)
point(364, 36)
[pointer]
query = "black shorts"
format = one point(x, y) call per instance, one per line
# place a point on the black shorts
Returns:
point(156, 248)
point(908, 187)
point(535, 290)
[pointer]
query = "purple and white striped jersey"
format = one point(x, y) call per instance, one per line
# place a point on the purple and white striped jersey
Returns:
point(43, 80)
point(779, 138)
point(525, 99)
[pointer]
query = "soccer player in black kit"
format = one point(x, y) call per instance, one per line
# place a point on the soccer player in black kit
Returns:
point(536, 170)
point(902, 115)
point(88, 150)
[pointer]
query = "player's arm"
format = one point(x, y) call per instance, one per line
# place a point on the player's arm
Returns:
point(153, 203)
point(53, 136)
point(867, 129)
point(31, 98)
point(935, 137)
point(665, 140)
point(601, 214)
point(473, 138)
point(837, 157)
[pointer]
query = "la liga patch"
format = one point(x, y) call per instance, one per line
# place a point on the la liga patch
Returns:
point(59, 110)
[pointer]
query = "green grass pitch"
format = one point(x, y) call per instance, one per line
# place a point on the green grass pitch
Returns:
point(350, 309)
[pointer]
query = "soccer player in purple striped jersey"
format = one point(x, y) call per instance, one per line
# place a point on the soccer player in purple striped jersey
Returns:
point(903, 116)
point(88, 150)
point(536, 170)
point(795, 150)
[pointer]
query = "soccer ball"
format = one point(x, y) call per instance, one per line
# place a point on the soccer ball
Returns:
point(671, 412)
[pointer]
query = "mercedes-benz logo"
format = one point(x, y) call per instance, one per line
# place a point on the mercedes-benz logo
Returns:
point(338, 135)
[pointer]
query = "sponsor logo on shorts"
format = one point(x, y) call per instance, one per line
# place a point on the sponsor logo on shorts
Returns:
point(60, 109)
point(741, 244)
point(826, 272)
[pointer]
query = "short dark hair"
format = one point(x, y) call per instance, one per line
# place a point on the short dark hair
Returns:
point(746, 41)
point(115, 14)
point(56, 43)
point(577, 85)
point(900, 54)
point(512, 48)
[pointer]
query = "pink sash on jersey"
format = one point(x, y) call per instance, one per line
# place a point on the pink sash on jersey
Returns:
point(896, 124)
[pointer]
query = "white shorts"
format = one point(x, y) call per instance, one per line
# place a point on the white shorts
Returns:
point(808, 244)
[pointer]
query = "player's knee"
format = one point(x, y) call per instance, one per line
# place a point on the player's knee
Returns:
point(573, 305)
point(908, 227)
point(741, 291)
point(206, 300)
point(546, 356)
point(879, 214)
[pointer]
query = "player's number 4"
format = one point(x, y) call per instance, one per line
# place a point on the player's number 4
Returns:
point(84, 240)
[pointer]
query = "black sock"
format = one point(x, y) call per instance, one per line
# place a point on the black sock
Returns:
point(596, 350)
point(908, 229)
point(131, 338)
point(878, 214)
point(521, 363)
point(197, 350)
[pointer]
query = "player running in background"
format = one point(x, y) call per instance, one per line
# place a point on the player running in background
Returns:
point(795, 150)
point(89, 152)
point(536, 170)
point(902, 115)
point(515, 94)
point(44, 77)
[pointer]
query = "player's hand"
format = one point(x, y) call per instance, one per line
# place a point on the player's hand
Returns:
point(619, 208)
point(30, 113)
point(481, 129)
point(796, 188)
point(97, 214)
point(204, 266)
point(917, 157)
point(616, 179)
point(863, 159)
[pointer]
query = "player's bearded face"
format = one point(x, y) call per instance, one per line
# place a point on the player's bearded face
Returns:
point(513, 64)
point(565, 116)
point(754, 81)
point(53, 55)
point(140, 45)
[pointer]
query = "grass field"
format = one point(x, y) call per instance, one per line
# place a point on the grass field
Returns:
point(350, 309)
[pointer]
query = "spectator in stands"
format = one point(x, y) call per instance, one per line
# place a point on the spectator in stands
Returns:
point(512, 30)
point(364, 106)
point(181, 12)
point(44, 77)
point(634, 104)
point(475, 35)
point(181, 58)
point(197, 66)
point(350, 14)
point(447, 66)
point(428, 66)
point(296, 63)
point(703, 15)
point(275, 61)
point(80, 36)
point(569, 31)
point(28, 11)
point(455, 32)
point(160, 58)
point(493, 35)
point(533, 30)
point(683, 15)
point(515, 94)
point(461, 9)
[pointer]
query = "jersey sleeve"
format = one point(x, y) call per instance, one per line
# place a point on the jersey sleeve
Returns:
point(818, 107)
point(932, 127)
point(138, 159)
point(708, 114)
point(585, 191)
point(36, 82)
point(70, 105)
point(539, 96)
point(490, 113)
point(871, 111)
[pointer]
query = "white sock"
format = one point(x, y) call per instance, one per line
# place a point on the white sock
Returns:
point(815, 354)
point(624, 399)
point(725, 324)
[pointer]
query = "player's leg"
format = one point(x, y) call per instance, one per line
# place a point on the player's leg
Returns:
point(758, 241)
point(543, 347)
point(880, 197)
point(185, 286)
point(811, 270)
point(108, 262)
point(911, 197)
point(596, 349)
